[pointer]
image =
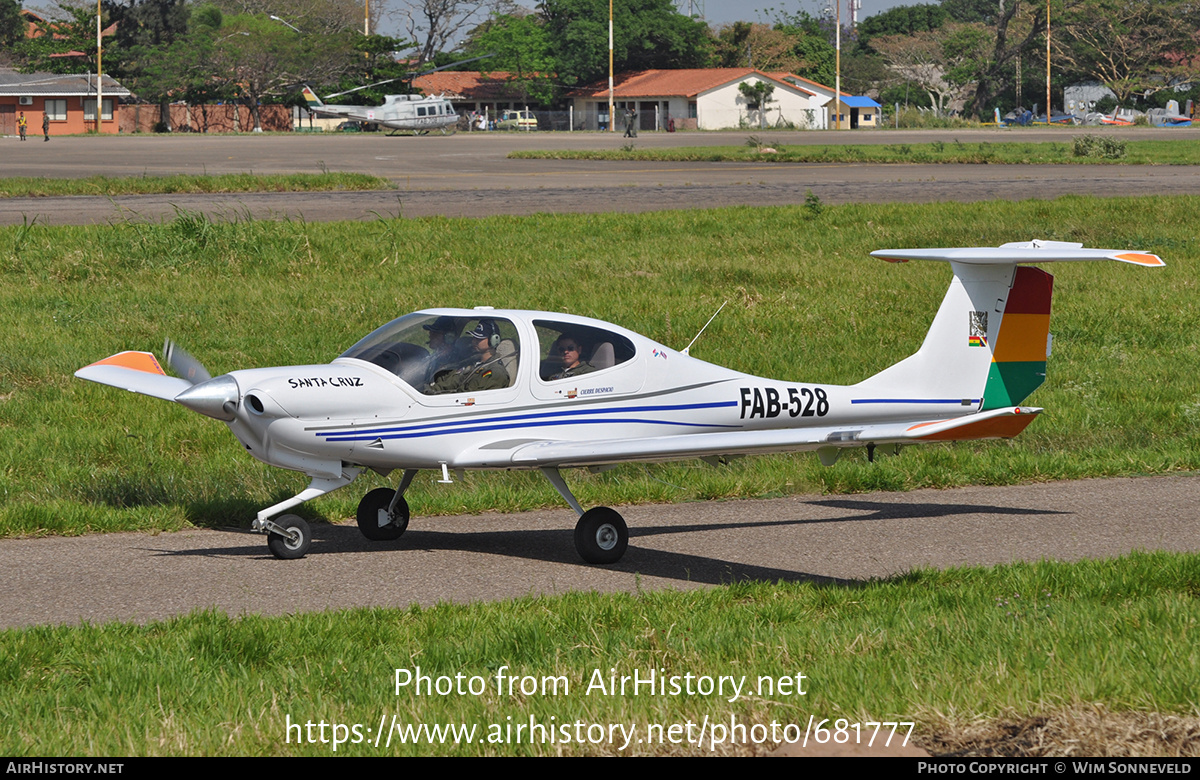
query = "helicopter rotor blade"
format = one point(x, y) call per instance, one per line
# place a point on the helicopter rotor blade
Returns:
point(407, 77)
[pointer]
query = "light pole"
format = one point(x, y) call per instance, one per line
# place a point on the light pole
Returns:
point(612, 120)
point(283, 21)
point(1047, 63)
point(99, 72)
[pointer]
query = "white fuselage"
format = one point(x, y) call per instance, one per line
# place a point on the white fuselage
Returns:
point(320, 418)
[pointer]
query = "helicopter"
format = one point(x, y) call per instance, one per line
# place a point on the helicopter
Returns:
point(415, 113)
point(418, 114)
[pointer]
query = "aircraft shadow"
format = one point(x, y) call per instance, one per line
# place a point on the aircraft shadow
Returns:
point(557, 546)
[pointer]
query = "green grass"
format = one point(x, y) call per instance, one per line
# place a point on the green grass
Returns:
point(934, 648)
point(180, 183)
point(1158, 152)
point(805, 303)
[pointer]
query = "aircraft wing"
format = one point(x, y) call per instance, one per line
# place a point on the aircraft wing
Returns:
point(995, 424)
point(138, 372)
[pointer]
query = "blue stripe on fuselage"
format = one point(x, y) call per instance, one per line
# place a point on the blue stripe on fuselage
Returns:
point(524, 421)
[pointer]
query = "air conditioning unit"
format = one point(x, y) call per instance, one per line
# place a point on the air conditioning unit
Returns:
point(26, 100)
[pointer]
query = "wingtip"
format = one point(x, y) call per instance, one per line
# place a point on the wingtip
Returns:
point(1140, 258)
point(131, 359)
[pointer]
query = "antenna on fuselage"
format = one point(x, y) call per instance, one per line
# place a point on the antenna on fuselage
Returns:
point(710, 319)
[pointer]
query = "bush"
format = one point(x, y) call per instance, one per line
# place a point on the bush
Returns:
point(1106, 104)
point(1098, 146)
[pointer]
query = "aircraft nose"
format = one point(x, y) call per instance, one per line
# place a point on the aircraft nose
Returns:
point(216, 398)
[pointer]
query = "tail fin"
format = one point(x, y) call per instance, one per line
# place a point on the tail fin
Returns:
point(311, 98)
point(989, 341)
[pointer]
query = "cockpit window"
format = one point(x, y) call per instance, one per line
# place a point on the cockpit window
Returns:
point(569, 350)
point(442, 354)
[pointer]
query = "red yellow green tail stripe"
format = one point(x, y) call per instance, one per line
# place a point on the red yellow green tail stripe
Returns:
point(1019, 355)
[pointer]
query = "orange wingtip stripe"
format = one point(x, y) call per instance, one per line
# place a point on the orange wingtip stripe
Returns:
point(1140, 258)
point(138, 361)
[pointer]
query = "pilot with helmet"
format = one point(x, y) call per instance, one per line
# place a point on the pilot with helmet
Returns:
point(483, 370)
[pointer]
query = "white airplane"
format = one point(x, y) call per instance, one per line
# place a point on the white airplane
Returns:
point(415, 113)
point(500, 389)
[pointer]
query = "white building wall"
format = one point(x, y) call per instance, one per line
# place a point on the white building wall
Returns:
point(725, 107)
point(719, 109)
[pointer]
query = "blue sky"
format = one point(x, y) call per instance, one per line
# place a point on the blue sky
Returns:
point(719, 12)
point(725, 11)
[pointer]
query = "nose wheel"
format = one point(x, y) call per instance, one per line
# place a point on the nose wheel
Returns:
point(290, 538)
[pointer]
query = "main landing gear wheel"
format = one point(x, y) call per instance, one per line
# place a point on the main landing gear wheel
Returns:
point(295, 543)
point(601, 535)
point(373, 519)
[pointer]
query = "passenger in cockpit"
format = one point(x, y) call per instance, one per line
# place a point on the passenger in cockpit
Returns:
point(570, 350)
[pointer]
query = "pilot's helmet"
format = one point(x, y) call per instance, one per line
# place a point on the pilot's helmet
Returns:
point(445, 325)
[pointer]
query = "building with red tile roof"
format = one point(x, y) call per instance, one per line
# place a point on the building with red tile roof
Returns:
point(701, 99)
point(68, 100)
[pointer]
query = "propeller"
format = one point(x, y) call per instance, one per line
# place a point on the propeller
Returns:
point(217, 398)
point(184, 364)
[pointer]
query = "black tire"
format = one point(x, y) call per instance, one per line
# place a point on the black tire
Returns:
point(295, 544)
point(368, 516)
point(601, 535)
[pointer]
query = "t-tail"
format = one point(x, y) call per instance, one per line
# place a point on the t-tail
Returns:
point(987, 347)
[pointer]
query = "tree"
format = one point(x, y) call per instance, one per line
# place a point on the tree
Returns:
point(314, 17)
point(758, 97)
point(1018, 26)
point(646, 34)
point(12, 25)
point(980, 11)
point(747, 45)
point(934, 60)
point(263, 58)
point(434, 23)
point(72, 30)
point(521, 47)
point(902, 20)
point(1131, 46)
point(145, 32)
point(812, 45)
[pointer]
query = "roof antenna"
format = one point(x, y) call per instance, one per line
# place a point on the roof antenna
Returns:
point(710, 319)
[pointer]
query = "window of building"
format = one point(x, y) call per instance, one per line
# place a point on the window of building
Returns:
point(56, 109)
point(89, 109)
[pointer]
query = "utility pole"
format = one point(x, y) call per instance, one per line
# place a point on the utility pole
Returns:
point(1047, 63)
point(99, 72)
point(612, 120)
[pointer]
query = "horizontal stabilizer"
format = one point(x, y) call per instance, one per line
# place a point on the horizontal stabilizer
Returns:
point(1019, 252)
point(138, 372)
